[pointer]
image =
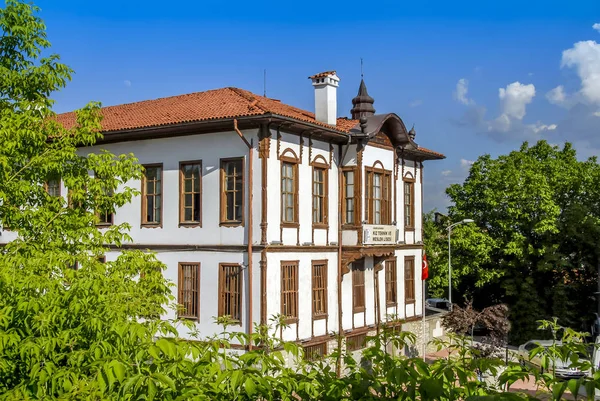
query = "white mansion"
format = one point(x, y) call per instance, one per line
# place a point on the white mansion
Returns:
point(259, 208)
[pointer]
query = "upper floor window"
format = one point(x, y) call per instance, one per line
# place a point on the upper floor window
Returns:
point(232, 191)
point(230, 291)
point(378, 185)
point(152, 195)
point(289, 192)
point(53, 187)
point(409, 203)
point(105, 217)
point(320, 195)
point(188, 290)
point(349, 193)
point(104, 211)
point(190, 189)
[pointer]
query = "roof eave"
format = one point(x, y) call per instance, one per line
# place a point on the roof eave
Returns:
point(219, 125)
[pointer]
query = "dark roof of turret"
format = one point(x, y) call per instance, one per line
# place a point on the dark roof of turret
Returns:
point(363, 103)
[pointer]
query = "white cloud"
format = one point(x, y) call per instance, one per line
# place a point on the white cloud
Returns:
point(596, 26)
point(446, 173)
point(557, 96)
point(530, 74)
point(597, 114)
point(460, 94)
point(127, 83)
point(585, 58)
point(539, 127)
point(415, 103)
point(515, 98)
point(464, 163)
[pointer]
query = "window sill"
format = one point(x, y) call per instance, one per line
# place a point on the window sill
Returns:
point(232, 322)
point(409, 301)
point(319, 317)
point(320, 226)
point(103, 225)
point(231, 224)
point(190, 224)
point(291, 320)
point(350, 226)
point(151, 225)
point(359, 310)
point(290, 225)
point(391, 304)
point(409, 229)
point(191, 318)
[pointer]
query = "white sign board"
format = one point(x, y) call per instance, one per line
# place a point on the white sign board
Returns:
point(379, 235)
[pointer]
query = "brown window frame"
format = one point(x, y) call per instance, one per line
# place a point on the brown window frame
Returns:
point(183, 193)
point(319, 289)
point(391, 282)
point(295, 215)
point(409, 280)
point(290, 294)
point(314, 352)
point(324, 196)
point(356, 342)
point(105, 218)
point(409, 225)
point(225, 222)
point(354, 197)
point(145, 222)
point(194, 303)
point(232, 295)
point(47, 187)
point(358, 287)
point(386, 196)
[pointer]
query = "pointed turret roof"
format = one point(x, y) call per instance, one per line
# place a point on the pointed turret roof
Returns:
point(363, 103)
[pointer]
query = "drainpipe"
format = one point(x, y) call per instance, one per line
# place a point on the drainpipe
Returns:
point(339, 276)
point(250, 229)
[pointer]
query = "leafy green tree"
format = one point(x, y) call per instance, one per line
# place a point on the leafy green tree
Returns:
point(69, 324)
point(535, 242)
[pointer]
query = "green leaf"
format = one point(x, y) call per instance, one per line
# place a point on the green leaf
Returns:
point(250, 387)
point(119, 370)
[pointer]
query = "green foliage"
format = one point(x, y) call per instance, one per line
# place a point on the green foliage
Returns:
point(94, 333)
point(534, 242)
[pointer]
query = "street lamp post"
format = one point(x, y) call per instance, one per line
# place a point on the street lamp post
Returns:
point(449, 228)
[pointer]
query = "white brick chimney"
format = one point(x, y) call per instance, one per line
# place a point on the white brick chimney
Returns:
point(326, 84)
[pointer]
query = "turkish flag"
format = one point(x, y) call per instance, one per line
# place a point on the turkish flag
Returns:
point(425, 268)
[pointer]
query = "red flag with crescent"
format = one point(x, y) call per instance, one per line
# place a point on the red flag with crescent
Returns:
point(425, 269)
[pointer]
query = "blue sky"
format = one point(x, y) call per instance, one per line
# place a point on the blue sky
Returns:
point(473, 77)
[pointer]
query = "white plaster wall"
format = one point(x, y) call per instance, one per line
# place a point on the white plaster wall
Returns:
point(304, 259)
point(411, 237)
point(416, 308)
point(349, 237)
point(289, 236)
point(209, 290)
point(350, 319)
point(350, 159)
point(171, 151)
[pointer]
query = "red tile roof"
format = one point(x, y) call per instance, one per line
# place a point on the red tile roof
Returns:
point(425, 150)
point(202, 106)
point(322, 74)
point(199, 106)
